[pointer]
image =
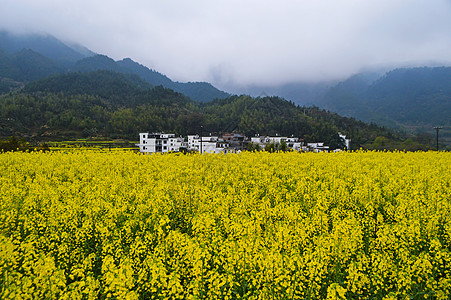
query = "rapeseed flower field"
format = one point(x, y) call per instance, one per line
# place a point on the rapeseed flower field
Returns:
point(121, 225)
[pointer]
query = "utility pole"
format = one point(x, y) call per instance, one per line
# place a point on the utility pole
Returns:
point(437, 128)
point(201, 129)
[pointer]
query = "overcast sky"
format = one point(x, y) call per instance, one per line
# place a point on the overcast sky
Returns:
point(247, 41)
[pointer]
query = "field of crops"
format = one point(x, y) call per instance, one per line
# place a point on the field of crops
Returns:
point(121, 225)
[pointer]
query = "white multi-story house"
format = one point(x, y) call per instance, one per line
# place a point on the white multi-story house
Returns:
point(194, 142)
point(168, 142)
point(292, 142)
point(259, 140)
point(209, 144)
point(317, 147)
point(346, 141)
point(160, 143)
point(276, 139)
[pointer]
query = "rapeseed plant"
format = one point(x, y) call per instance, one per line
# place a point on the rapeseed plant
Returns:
point(121, 225)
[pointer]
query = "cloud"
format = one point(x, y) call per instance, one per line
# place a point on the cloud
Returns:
point(254, 42)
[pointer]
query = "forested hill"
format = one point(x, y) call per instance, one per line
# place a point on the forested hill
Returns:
point(415, 99)
point(200, 91)
point(106, 84)
point(26, 58)
point(105, 104)
point(46, 45)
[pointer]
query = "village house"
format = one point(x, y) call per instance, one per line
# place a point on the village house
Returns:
point(292, 142)
point(347, 142)
point(160, 143)
point(317, 147)
point(211, 144)
point(228, 143)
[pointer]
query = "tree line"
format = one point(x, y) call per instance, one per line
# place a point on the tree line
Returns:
point(105, 104)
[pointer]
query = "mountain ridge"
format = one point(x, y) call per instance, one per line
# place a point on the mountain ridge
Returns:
point(62, 58)
point(200, 91)
point(44, 44)
point(411, 99)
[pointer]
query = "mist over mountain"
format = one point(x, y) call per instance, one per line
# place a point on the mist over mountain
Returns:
point(301, 93)
point(45, 45)
point(410, 99)
point(200, 91)
point(25, 58)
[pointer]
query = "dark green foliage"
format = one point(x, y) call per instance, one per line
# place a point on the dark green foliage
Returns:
point(271, 147)
point(113, 105)
point(101, 103)
point(273, 115)
point(33, 65)
point(129, 66)
point(20, 144)
point(27, 65)
point(413, 96)
point(105, 84)
point(200, 91)
point(8, 85)
point(253, 147)
point(96, 63)
point(7, 67)
point(413, 100)
point(13, 144)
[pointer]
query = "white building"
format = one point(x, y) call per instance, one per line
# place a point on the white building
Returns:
point(160, 143)
point(259, 140)
point(317, 147)
point(346, 141)
point(210, 144)
point(292, 142)
point(168, 142)
point(276, 139)
point(297, 146)
point(194, 142)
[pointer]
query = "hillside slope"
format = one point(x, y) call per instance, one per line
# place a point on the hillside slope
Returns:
point(25, 58)
point(200, 91)
point(411, 99)
point(105, 104)
point(45, 45)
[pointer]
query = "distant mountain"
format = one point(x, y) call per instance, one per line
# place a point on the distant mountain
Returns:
point(45, 45)
point(347, 97)
point(7, 67)
point(28, 57)
point(412, 99)
point(24, 58)
point(129, 66)
point(106, 84)
point(301, 93)
point(96, 63)
point(32, 65)
point(200, 91)
point(27, 65)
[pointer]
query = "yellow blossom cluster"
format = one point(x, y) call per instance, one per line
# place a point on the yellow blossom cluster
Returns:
point(121, 225)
